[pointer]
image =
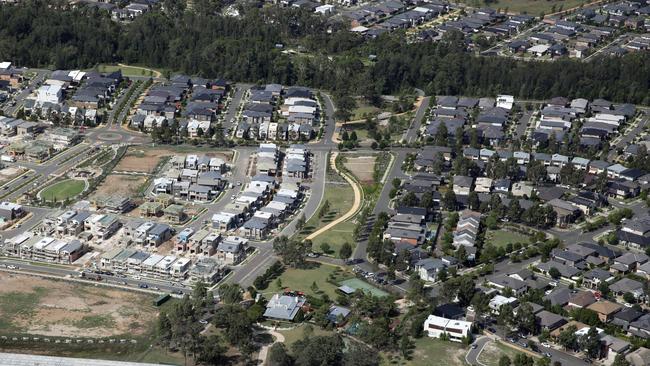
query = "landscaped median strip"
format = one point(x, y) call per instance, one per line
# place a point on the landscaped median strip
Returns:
point(353, 210)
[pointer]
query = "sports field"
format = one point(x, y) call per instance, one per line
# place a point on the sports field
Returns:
point(63, 190)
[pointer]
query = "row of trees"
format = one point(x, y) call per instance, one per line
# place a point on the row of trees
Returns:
point(243, 48)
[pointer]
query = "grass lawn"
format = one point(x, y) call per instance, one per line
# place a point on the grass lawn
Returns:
point(535, 7)
point(430, 351)
point(302, 280)
point(63, 190)
point(297, 333)
point(493, 351)
point(126, 70)
point(340, 196)
point(501, 238)
point(363, 109)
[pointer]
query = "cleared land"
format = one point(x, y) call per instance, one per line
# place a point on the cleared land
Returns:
point(493, 351)
point(358, 284)
point(10, 173)
point(55, 308)
point(128, 70)
point(501, 238)
point(303, 279)
point(536, 7)
point(430, 351)
point(145, 160)
point(63, 190)
point(120, 184)
point(361, 166)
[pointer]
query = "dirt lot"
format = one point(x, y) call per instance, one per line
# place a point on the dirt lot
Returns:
point(120, 184)
point(9, 173)
point(56, 308)
point(362, 167)
point(145, 160)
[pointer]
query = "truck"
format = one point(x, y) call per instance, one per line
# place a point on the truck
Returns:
point(8, 158)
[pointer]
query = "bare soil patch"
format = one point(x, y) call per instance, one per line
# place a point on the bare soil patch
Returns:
point(56, 308)
point(362, 167)
point(120, 184)
point(145, 160)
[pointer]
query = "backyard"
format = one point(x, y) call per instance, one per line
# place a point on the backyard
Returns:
point(303, 280)
point(63, 190)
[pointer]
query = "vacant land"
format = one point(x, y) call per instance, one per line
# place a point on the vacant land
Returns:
point(10, 173)
point(430, 351)
point(145, 160)
point(501, 238)
point(361, 166)
point(493, 351)
point(303, 280)
point(63, 190)
point(535, 7)
point(54, 308)
point(128, 70)
point(120, 184)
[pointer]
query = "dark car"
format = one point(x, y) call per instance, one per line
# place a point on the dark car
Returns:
point(144, 285)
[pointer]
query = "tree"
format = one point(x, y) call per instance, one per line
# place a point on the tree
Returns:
point(325, 248)
point(554, 273)
point(278, 355)
point(620, 361)
point(449, 200)
point(300, 223)
point(591, 343)
point(525, 319)
point(504, 360)
point(473, 201)
point(629, 298)
point(345, 251)
point(359, 355)
point(230, 293)
point(461, 254)
point(568, 338)
point(210, 351)
point(319, 350)
point(293, 252)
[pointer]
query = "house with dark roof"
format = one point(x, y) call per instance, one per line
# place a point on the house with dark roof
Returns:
point(549, 321)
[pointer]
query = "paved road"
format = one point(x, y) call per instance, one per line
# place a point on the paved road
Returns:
point(20, 98)
point(472, 355)
point(41, 173)
point(71, 272)
point(625, 139)
point(522, 125)
point(229, 119)
point(412, 133)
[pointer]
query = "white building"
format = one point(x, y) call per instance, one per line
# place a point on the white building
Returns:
point(435, 326)
point(505, 101)
point(49, 94)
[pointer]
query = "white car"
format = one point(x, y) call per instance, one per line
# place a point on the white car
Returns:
point(546, 345)
point(553, 283)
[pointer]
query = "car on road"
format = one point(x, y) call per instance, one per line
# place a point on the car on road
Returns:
point(313, 255)
point(552, 283)
point(144, 285)
point(546, 345)
point(474, 345)
point(238, 183)
point(11, 266)
point(546, 354)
